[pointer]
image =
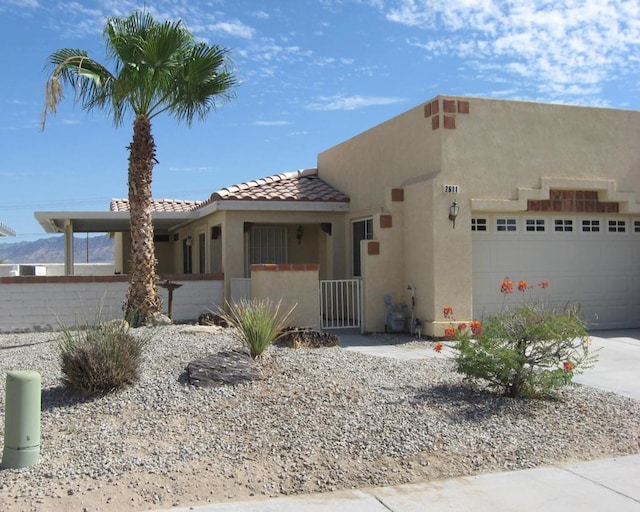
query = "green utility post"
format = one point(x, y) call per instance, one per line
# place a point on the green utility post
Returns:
point(22, 419)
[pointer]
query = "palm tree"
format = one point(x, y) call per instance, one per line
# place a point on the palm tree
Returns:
point(158, 67)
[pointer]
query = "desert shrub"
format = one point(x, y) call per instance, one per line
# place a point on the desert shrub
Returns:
point(100, 357)
point(524, 351)
point(257, 322)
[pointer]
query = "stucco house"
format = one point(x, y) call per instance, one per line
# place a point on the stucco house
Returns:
point(432, 208)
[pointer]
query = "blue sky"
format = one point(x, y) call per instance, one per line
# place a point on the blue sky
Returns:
point(312, 73)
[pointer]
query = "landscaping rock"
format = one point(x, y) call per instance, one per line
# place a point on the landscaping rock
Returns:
point(212, 319)
point(158, 320)
point(226, 367)
point(304, 337)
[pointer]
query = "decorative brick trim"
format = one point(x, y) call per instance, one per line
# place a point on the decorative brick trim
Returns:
point(397, 195)
point(434, 107)
point(285, 267)
point(373, 248)
point(116, 278)
point(449, 106)
point(427, 110)
point(435, 122)
point(386, 220)
point(449, 122)
point(463, 107)
point(578, 201)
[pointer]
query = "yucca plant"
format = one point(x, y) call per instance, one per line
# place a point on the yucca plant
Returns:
point(257, 322)
point(100, 357)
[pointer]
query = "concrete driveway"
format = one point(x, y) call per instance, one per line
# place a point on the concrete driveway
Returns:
point(617, 368)
point(618, 365)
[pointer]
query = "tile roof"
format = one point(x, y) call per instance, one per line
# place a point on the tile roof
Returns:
point(303, 185)
point(159, 205)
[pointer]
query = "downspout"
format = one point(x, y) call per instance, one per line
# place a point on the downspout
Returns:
point(68, 247)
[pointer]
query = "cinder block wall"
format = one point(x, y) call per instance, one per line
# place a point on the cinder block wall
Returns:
point(41, 303)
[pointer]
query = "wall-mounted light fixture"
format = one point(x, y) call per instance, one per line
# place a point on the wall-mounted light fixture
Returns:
point(189, 241)
point(454, 210)
point(299, 233)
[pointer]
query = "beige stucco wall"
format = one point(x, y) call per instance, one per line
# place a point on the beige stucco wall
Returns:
point(315, 246)
point(299, 288)
point(499, 153)
point(503, 145)
point(163, 251)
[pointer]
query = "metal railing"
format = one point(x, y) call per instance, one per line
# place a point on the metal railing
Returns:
point(340, 304)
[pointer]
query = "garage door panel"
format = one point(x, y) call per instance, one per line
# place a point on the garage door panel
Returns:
point(591, 287)
point(599, 270)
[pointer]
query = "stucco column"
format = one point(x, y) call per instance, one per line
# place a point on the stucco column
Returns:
point(68, 248)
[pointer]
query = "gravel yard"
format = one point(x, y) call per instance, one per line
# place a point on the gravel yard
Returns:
point(321, 420)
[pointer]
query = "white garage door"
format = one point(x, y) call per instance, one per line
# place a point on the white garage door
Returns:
point(590, 260)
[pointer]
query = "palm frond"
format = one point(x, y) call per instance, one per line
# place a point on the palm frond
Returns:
point(203, 82)
point(73, 68)
point(158, 67)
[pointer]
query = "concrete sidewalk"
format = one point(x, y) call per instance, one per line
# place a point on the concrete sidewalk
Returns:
point(595, 486)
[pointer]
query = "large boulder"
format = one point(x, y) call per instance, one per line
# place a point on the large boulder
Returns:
point(228, 367)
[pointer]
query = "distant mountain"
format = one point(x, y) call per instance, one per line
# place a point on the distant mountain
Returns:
point(51, 250)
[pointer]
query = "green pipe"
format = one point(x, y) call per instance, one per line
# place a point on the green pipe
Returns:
point(22, 419)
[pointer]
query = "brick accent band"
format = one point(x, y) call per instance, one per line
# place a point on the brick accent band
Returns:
point(116, 278)
point(449, 122)
point(283, 267)
point(397, 195)
point(373, 248)
point(386, 220)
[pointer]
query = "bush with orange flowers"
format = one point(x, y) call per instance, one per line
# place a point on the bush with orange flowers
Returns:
point(526, 351)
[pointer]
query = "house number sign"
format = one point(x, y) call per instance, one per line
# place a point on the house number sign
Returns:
point(451, 189)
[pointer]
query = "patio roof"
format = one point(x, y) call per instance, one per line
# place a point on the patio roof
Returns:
point(6, 230)
point(294, 191)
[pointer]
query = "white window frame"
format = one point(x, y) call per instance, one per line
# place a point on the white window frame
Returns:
point(479, 224)
point(592, 223)
point(564, 224)
point(509, 225)
point(538, 224)
point(618, 225)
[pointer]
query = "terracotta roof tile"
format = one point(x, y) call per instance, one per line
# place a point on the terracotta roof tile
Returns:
point(159, 205)
point(303, 185)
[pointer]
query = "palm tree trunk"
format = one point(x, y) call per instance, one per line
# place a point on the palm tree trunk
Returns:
point(143, 301)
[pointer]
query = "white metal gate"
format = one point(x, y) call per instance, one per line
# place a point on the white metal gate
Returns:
point(340, 304)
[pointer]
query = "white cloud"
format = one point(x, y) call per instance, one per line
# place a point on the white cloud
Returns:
point(271, 123)
point(233, 28)
point(350, 102)
point(30, 4)
point(567, 47)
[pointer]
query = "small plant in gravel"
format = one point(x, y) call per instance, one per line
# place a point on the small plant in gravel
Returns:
point(525, 351)
point(257, 322)
point(100, 357)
